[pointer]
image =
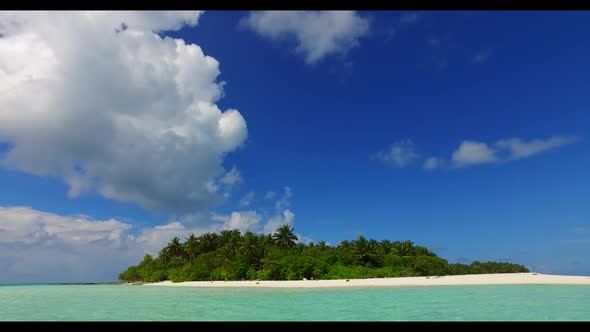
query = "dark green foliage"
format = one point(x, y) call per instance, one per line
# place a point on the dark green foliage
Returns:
point(430, 265)
point(231, 255)
point(402, 249)
point(221, 273)
point(365, 252)
point(191, 247)
point(130, 275)
point(487, 267)
point(284, 237)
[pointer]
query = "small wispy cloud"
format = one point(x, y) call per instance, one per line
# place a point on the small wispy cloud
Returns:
point(399, 154)
point(232, 177)
point(433, 163)
point(285, 201)
point(519, 148)
point(580, 230)
point(410, 18)
point(270, 195)
point(318, 34)
point(241, 220)
point(405, 20)
point(482, 56)
point(247, 199)
point(472, 152)
point(304, 238)
point(275, 222)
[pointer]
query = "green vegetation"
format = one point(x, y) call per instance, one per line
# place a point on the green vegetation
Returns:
point(231, 255)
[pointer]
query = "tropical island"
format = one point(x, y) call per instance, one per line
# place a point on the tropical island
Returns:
point(230, 255)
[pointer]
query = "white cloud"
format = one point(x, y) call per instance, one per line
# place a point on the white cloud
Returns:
point(37, 246)
point(273, 223)
point(580, 230)
point(472, 152)
point(25, 225)
point(232, 177)
point(433, 163)
point(399, 154)
point(318, 33)
point(304, 238)
point(153, 239)
point(124, 113)
point(242, 220)
point(270, 195)
point(518, 148)
point(285, 201)
point(247, 199)
point(251, 220)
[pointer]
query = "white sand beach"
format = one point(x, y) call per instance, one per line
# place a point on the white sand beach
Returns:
point(473, 279)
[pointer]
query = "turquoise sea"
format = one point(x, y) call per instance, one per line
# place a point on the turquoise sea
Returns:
point(440, 303)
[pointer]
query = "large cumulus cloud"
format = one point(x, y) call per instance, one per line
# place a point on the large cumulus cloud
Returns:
point(102, 101)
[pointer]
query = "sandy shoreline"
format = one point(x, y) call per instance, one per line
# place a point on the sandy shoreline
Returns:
point(458, 280)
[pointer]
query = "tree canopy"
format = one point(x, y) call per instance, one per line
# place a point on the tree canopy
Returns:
point(231, 255)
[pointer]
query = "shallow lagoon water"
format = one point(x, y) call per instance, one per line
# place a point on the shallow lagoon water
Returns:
point(438, 303)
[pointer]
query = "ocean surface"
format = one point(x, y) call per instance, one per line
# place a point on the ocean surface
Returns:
point(439, 303)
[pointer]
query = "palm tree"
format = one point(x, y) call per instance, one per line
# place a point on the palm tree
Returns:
point(207, 242)
point(235, 243)
point(345, 244)
point(164, 255)
point(284, 237)
point(385, 246)
point(228, 236)
point(402, 249)
point(374, 244)
point(270, 265)
point(175, 248)
point(300, 246)
point(191, 247)
point(265, 241)
point(226, 256)
point(364, 250)
point(322, 245)
point(249, 246)
point(423, 251)
point(147, 259)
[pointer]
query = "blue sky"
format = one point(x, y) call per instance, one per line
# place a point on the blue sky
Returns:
point(337, 117)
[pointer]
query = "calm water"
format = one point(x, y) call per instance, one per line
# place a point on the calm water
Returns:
point(442, 303)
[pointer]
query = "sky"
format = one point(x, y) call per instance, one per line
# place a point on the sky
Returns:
point(465, 132)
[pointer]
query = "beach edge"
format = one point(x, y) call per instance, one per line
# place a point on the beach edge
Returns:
point(530, 278)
